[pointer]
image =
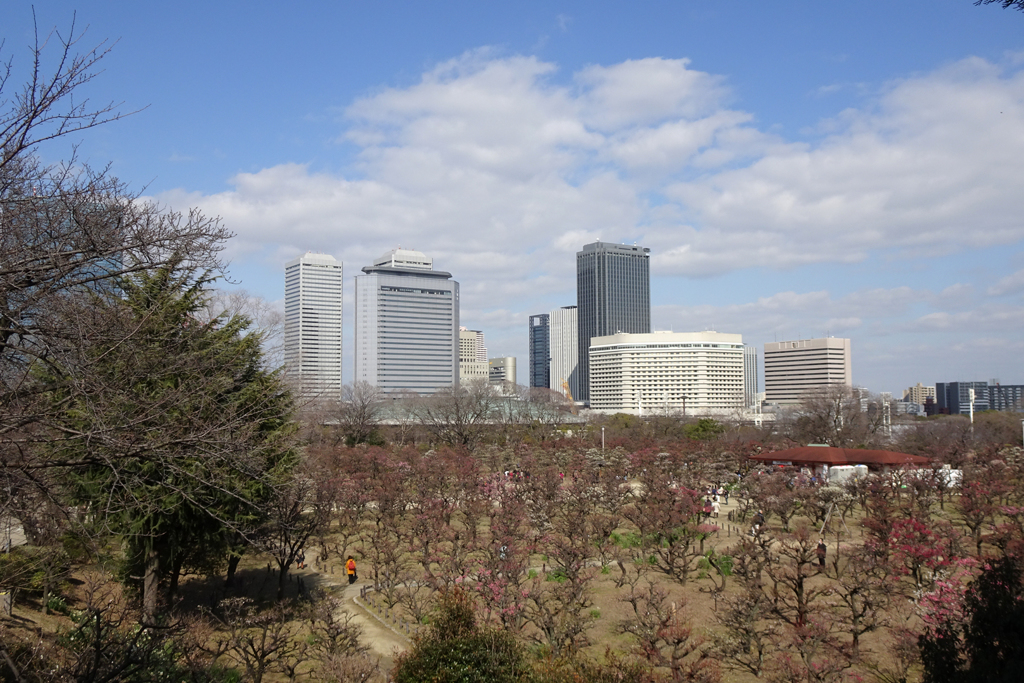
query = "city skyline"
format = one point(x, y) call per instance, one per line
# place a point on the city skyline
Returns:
point(797, 171)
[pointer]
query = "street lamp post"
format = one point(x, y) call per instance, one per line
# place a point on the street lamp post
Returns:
point(602, 437)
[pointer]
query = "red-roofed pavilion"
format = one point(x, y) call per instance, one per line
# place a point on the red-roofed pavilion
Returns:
point(815, 457)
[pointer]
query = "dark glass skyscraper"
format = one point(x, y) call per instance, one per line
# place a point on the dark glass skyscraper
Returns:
point(540, 358)
point(613, 294)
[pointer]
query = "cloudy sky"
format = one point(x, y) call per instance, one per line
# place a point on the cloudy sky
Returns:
point(798, 169)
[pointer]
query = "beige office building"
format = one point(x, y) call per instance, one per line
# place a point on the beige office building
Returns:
point(691, 373)
point(502, 370)
point(472, 355)
point(794, 368)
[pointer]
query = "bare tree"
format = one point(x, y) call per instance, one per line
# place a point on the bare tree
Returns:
point(457, 416)
point(67, 233)
point(839, 415)
point(360, 412)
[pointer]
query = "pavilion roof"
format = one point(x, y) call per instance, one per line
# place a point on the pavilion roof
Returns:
point(830, 455)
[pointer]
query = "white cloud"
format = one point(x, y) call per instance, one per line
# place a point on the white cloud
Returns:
point(1011, 284)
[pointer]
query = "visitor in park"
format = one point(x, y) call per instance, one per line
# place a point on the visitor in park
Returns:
point(350, 568)
point(715, 507)
point(300, 559)
point(758, 523)
point(821, 550)
point(707, 508)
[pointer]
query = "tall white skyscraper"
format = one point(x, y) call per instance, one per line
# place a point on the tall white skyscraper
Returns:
point(312, 325)
point(564, 351)
point(749, 375)
point(407, 325)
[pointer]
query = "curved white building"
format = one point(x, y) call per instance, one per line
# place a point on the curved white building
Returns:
point(693, 373)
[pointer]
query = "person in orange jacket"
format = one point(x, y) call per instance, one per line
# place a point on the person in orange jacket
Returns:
point(350, 567)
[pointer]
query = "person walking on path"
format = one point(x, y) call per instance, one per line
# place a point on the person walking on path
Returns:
point(350, 569)
point(300, 559)
point(715, 507)
point(821, 551)
point(758, 523)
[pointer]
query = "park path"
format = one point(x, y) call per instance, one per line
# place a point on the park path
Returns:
point(383, 641)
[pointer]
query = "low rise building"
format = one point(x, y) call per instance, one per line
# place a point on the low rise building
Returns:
point(692, 373)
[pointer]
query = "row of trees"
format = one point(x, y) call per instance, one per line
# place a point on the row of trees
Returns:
point(478, 414)
point(531, 549)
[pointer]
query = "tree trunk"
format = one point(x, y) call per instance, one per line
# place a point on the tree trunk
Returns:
point(150, 585)
point(282, 578)
point(172, 589)
point(233, 561)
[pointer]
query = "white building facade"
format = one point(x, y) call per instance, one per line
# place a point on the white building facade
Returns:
point(563, 348)
point(406, 325)
point(694, 373)
point(794, 368)
point(313, 286)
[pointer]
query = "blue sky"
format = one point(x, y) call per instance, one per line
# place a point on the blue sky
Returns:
point(798, 169)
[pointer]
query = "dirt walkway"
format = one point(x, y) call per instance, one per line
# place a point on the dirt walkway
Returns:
point(382, 641)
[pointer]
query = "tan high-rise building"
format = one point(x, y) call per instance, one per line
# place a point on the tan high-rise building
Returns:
point(794, 368)
point(471, 347)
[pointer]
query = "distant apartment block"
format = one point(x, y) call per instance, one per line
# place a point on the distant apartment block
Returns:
point(563, 347)
point(793, 368)
point(1005, 396)
point(613, 293)
point(407, 325)
point(918, 394)
point(313, 287)
point(954, 398)
point(470, 365)
point(698, 373)
point(540, 357)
